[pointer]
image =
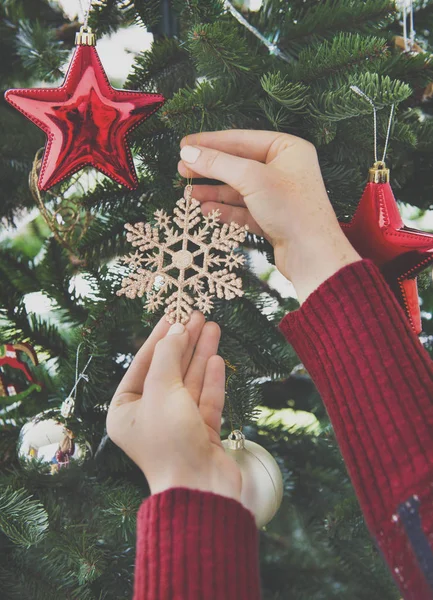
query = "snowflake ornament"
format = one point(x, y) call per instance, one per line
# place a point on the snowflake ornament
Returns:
point(170, 264)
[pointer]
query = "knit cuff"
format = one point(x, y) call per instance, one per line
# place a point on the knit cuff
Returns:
point(375, 379)
point(194, 544)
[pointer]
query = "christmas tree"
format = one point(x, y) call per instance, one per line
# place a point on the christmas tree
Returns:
point(285, 66)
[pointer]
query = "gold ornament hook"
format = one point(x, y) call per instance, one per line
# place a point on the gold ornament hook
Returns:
point(85, 37)
point(378, 173)
point(236, 440)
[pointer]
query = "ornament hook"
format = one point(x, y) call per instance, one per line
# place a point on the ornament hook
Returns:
point(85, 37)
point(382, 173)
point(236, 440)
point(68, 405)
point(378, 173)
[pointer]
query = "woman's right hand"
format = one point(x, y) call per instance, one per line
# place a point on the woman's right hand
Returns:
point(272, 182)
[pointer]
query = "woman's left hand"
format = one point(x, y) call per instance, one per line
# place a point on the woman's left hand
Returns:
point(166, 412)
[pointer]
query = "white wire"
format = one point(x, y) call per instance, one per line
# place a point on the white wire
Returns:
point(412, 30)
point(85, 13)
point(358, 91)
point(406, 45)
point(407, 10)
point(79, 377)
point(388, 132)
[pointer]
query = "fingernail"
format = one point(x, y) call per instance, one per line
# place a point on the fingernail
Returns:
point(176, 328)
point(190, 154)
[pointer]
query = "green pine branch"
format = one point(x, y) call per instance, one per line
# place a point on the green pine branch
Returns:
point(16, 324)
point(40, 51)
point(332, 17)
point(199, 11)
point(414, 69)
point(19, 142)
point(247, 337)
point(46, 12)
point(293, 96)
point(107, 16)
point(22, 519)
point(165, 68)
point(210, 106)
point(243, 396)
point(220, 52)
point(148, 12)
point(120, 505)
point(106, 239)
point(54, 274)
point(345, 53)
point(343, 103)
point(18, 583)
point(19, 271)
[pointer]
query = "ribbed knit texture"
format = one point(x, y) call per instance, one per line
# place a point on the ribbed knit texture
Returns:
point(376, 381)
point(194, 545)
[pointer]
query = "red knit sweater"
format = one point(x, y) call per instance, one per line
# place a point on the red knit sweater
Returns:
point(376, 381)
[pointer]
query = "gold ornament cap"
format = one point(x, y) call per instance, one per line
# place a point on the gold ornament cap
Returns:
point(236, 440)
point(85, 37)
point(378, 173)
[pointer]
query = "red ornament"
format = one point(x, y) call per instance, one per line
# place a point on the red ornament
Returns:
point(86, 120)
point(9, 356)
point(377, 232)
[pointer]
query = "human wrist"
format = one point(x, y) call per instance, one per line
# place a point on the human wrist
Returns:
point(308, 263)
point(194, 484)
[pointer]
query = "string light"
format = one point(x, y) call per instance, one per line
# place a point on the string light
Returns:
point(273, 48)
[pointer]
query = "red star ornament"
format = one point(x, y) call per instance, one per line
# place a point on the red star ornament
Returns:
point(377, 232)
point(86, 120)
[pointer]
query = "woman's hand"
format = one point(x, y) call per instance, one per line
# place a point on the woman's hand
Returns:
point(272, 182)
point(166, 412)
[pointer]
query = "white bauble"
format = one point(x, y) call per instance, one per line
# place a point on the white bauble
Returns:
point(262, 482)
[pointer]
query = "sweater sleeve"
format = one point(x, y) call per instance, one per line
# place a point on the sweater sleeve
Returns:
point(194, 545)
point(376, 381)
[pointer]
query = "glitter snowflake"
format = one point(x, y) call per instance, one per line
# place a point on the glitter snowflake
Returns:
point(166, 260)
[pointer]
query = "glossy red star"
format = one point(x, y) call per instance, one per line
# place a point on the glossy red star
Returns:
point(86, 121)
point(377, 232)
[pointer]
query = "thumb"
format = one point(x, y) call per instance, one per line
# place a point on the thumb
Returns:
point(242, 174)
point(165, 370)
